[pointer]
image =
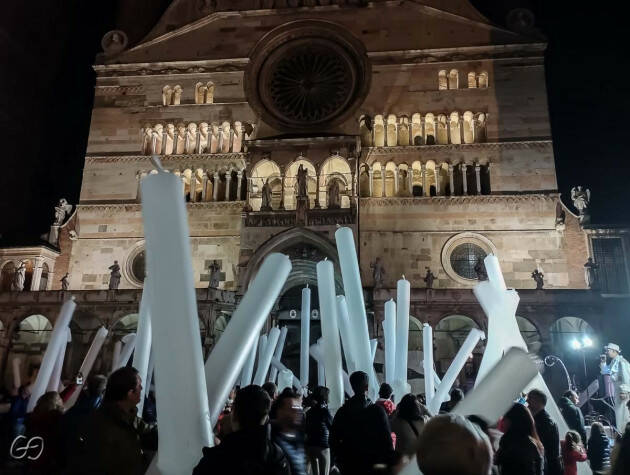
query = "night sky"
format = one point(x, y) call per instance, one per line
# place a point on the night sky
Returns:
point(46, 83)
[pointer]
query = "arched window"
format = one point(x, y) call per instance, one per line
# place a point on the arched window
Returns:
point(453, 79)
point(454, 127)
point(43, 280)
point(291, 183)
point(442, 132)
point(469, 127)
point(390, 179)
point(429, 129)
point(472, 80)
point(167, 95)
point(263, 172)
point(442, 80)
point(8, 271)
point(392, 133)
point(364, 182)
point(377, 178)
point(416, 180)
point(482, 80)
point(379, 131)
point(416, 129)
point(430, 178)
point(365, 131)
point(403, 130)
point(449, 335)
point(335, 168)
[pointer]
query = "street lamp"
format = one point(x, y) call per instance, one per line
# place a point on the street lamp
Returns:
point(581, 345)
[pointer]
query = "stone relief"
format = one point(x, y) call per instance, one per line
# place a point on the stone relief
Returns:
point(62, 210)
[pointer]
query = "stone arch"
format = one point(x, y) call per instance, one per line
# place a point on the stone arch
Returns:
point(472, 80)
point(530, 333)
point(415, 334)
point(365, 130)
point(416, 129)
point(8, 270)
point(261, 172)
point(379, 131)
point(442, 80)
point(416, 185)
point(337, 168)
point(378, 179)
point(392, 131)
point(430, 179)
point(364, 181)
point(403, 130)
point(200, 93)
point(404, 170)
point(442, 130)
point(290, 182)
point(453, 79)
point(482, 80)
point(429, 129)
point(469, 127)
point(167, 95)
point(454, 128)
point(389, 182)
point(449, 334)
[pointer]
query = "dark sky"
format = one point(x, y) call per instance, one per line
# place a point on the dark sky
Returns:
point(46, 83)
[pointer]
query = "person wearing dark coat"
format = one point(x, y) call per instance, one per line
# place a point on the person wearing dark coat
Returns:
point(520, 450)
point(598, 450)
point(318, 424)
point(286, 429)
point(572, 413)
point(249, 449)
point(360, 436)
point(547, 432)
point(117, 441)
point(45, 422)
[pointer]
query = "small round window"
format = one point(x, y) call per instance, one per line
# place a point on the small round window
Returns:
point(138, 266)
point(464, 258)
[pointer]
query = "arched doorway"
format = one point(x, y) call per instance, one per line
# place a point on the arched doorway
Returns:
point(576, 343)
point(530, 334)
point(28, 345)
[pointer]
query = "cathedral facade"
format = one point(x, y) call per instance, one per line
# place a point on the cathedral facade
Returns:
point(420, 125)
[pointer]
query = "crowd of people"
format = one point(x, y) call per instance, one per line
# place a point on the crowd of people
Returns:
point(263, 432)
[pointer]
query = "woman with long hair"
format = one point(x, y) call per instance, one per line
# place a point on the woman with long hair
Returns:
point(408, 421)
point(598, 449)
point(46, 422)
point(572, 452)
point(520, 450)
point(318, 424)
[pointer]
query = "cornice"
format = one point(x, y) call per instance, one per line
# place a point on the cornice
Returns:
point(137, 207)
point(415, 149)
point(458, 200)
point(132, 90)
point(171, 67)
point(180, 160)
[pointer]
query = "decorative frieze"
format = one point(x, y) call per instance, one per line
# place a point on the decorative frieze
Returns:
point(415, 149)
point(119, 90)
point(458, 200)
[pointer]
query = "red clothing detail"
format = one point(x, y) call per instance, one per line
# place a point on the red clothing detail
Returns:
point(571, 458)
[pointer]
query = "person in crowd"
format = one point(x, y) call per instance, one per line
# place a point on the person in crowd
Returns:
point(88, 401)
point(572, 452)
point(224, 424)
point(287, 429)
point(17, 411)
point(451, 444)
point(249, 449)
point(572, 413)
point(360, 436)
point(46, 422)
point(407, 424)
point(620, 456)
point(385, 394)
point(547, 431)
point(598, 449)
point(318, 424)
point(149, 409)
point(116, 439)
point(271, 389)
point(456, 395)
point(520, 450)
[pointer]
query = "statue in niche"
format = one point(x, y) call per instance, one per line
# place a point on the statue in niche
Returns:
point(429, 278)
point(590, 274)
point(19, 277)
point(539, 278)
point(480, 269)
point(334, 200)
point(215, 275)
point(560, 215)
point(114, 276)
point(62, 210)
point(581, 200)
point(302, 174)
point(378, 273)
point(266, 197)
point(65, 282)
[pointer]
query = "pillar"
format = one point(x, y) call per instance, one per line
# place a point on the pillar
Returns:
point(478, 177)
point(198, 142)
point(396, 181)
point(164, 139)
point(215, 187)
point(186, 142)
point(239, 177)
point(283, 171)
point(193, 186)
point(464, 183)
point(153, 143)
point(450, 179)
point(410, 180)
point(204, 185)
point(461, 129)
point(37, 273)
point(317, 177)
point(249, 189)
point(175, 135)
point(436, 173)
point(139, 190)
point(228, 179)
point(423, 169)
point(371, 181)
point(353, 197)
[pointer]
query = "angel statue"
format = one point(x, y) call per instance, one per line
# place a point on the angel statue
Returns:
point(62, 210)
point(581, 200)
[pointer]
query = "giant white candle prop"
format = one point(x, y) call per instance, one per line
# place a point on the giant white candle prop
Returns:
point(389, 331)
point(330, 333)
point(305, 334)
point(182, 401)
point(318, 356)
point(454, 369)
point(150, 371)
point(248, 368)
point(17, 372)
point(116, 355)
point(273, 372)
point(55, 377)
point(231, 351)
point(129, 342)
point(285, 380)
point(349, 264)
point(346, 334)
point(373, 346)
point(142, 352)
point(58, 338)
point(427, 363)
point(264, 362)
point(262, 344)
point(281, 367)
point(403, 290)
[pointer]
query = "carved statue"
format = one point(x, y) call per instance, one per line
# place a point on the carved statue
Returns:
point(65, 282)
point(215, 274)
point(114, 277)
point(19, 277)
point(590, 274)
point(429, 278)
point(480, 269)
point(302, 173)
point(266, 197)
point(581, 200)
point(177, 95)
point(62, 210)
point(334, 200)
point(378, 273)
point(539, 278)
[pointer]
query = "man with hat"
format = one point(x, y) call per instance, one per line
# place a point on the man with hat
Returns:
point(619, 371)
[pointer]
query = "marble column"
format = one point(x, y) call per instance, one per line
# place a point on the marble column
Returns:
point(239, 177)
point(175, 135)
point(215, 187)
point(451, 181)
point(228, 179)
point(436, 173)
point(198, 142)
point(371, 181)
point(193, 186)
point(164, 139)
point(317, 177)
point(204, 185)
point(353, 199)
point(461, 130)
point(478, 177)
point(186, 142)
point(396, 181)
point(410, 180)
point(423, 169)
point(464, 181)
point(281, 207)
point(37, 273)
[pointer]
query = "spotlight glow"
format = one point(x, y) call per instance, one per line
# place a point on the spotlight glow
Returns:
point(576, 345)
point(587, 342)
